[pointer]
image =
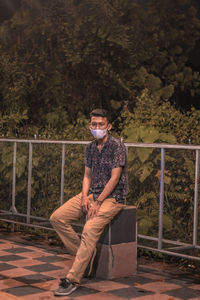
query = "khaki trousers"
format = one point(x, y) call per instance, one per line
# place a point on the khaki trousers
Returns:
point(84, 248)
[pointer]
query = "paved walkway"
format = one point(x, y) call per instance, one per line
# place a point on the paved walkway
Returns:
point(29, 272)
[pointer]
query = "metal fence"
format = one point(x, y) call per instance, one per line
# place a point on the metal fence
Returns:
point(178, 248)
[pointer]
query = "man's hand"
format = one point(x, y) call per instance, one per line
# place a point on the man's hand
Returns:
point(86, 203)
point(94, 208)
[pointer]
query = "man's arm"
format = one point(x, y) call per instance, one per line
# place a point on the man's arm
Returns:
point(109, 187)
point(111, 184)
point(85, 188)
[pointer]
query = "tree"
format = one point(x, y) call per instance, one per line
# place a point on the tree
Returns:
point(73, 55)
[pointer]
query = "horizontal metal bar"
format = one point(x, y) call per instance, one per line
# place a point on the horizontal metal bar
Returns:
point(80, 225)
point(146, 237)
point(180, 248)
point(140, 145)
point(170, 253)
point(5, 212)
point(34, 225)
point(164, 146)
point(45, 141)
point(22, 215)
point(26, 224)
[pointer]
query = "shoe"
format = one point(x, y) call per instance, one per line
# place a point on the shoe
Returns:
point(65, 288)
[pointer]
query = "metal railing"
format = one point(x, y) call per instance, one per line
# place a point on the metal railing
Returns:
point(178, 246)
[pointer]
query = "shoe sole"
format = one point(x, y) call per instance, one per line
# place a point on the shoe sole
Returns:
point(65, 294)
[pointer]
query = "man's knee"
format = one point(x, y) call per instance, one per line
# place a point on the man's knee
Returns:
point(53, 218)
point(56, 217)
point(59, 218)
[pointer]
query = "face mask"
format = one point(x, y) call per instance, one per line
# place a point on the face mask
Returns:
point(98, 133)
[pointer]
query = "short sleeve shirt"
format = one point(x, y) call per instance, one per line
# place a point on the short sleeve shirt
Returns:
point(112, 155)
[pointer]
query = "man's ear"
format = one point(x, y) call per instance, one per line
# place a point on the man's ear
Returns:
point(109, 127)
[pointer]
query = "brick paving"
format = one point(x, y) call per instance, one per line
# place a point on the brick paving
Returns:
point(31, 273)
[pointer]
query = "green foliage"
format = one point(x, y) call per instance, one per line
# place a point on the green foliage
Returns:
point(157, 122)
point(150, 111)
point(72, 56)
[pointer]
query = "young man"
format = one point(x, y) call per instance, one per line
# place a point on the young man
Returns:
point(104, 188)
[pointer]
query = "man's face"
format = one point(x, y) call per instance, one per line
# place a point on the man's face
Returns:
point(99, 123)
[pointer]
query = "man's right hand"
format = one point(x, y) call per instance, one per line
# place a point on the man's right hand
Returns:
point(85, 203)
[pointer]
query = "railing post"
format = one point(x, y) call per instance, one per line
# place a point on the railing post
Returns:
point(127, 167)
point(29, 182)
point(196, 189)
point(160, 233)
point(62, 175)
point(13, 208)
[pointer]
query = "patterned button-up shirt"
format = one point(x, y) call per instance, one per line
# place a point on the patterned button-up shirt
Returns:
point(101, 163)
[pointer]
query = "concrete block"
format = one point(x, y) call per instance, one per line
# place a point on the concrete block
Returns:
point(117, 247)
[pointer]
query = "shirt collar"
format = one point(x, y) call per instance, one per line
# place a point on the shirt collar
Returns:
point(106, 143)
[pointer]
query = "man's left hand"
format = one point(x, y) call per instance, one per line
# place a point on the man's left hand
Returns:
point(94, 208)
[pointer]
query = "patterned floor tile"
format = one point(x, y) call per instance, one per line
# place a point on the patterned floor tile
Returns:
point(155, 297)
point(99, 296)
point(33, 254)
point(2, 277)
point(33, 278)
point(83, 291)
point(27, 262)
point(134, 279)
point(63, 264)
point(11, 257)
point(130, 292)
point(19, 250)
point(158, 286)
point(180, 281)
point(152, 276)
point(49, 259)
point(105, 286)
point(5, 266)
point(9, 283)
point(156, 266)
point(66, 256)
point(6, 296)
point(47, 285)
point(8, 245)
point(33, 273)
point(17, 272)
point(24, 290)
point(45, 296)
point(184, 293)
point(57, 274)
point(43, 268)
point(2, 253)
point(194, 287)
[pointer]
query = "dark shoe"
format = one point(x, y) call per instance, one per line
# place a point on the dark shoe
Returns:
point(66, 287)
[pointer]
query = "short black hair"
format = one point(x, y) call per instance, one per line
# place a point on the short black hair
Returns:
point(100, 112)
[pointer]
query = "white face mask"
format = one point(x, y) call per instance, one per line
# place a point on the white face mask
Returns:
point(98, 133)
